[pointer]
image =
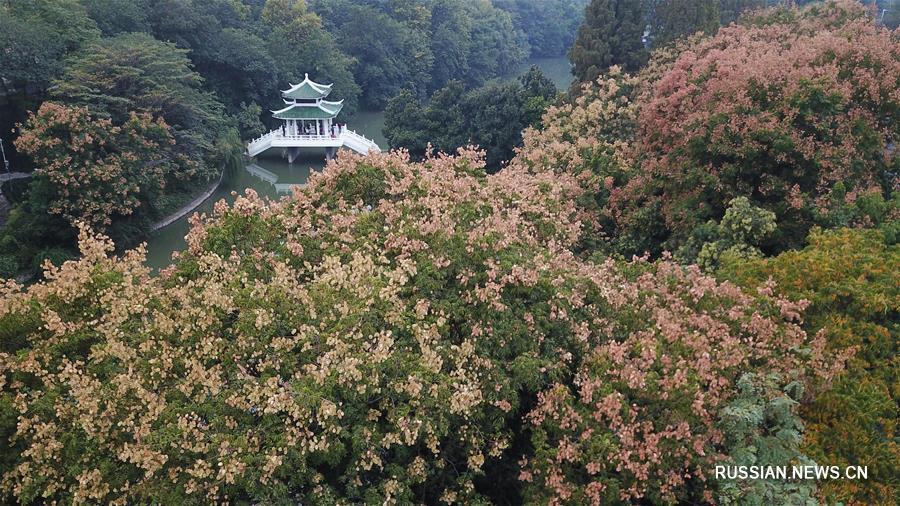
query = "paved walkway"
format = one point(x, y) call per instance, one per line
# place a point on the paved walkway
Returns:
point(4, 177)
point(190, 206)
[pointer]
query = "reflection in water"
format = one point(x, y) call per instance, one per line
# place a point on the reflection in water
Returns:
point(272, 178)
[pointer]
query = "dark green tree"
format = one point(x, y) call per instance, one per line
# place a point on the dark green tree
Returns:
point(248, 119)
point(35, 35)
point(238, 66)
point(491, 117)
point(494, 119)
point(496, 49)
point(403, 124)
point(388, 55)
point(548, 25)
point(450, 41)
point(678, 18)
point(298, 44)
point(610, 35)
point(137, 73)
point(730, 10)
point(119, 16)
point(628, 46)
point(538, 92)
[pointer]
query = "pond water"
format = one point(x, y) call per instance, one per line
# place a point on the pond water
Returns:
point(273, 177)
point(558, 69)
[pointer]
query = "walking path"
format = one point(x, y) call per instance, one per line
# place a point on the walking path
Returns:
point(190, 206)
point(4, 177)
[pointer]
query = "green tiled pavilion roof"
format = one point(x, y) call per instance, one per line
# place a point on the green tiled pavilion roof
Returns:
point(307, 90)
point(320, 110)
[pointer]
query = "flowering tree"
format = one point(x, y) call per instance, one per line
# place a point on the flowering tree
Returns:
point(779, 110)
point(591, 139)
point(794, 109)
point(389, 334)
point(96, 169)
point(641, 420)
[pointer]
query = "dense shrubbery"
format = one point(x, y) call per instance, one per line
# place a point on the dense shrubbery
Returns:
point(393, 332)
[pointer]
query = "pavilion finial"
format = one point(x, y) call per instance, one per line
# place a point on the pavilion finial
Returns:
point(305, 76)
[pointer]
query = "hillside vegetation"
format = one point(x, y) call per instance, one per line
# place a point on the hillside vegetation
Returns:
point(691, 265)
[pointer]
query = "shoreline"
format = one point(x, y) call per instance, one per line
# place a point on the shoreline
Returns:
point(190, 206)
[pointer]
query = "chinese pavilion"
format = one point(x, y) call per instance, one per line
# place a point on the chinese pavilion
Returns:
point(309, 122)
point(307, 111)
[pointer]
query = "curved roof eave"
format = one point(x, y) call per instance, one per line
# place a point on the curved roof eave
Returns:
point(321, 88)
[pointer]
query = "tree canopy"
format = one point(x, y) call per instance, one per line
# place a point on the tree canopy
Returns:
point(136, 73)
point(383, 336)
point(492, 117)
point(611, 34)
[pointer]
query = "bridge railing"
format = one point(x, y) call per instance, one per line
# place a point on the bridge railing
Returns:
point(369, 143)
point(343, 135)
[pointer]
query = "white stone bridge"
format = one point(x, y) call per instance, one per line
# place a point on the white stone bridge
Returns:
point(293, 143)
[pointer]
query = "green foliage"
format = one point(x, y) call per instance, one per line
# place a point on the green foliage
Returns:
point(870, 209)
point(55, 255)
point(674, 19)
point(496, 48)
point(237, 65)
point(136, 73)
point(387, 55)
point(762, 427)
point(850, 278)
point(9, 266)
point(539, 93)
point(404, 125)
point(119, 16)
point(248, 121)
point(740, 233)
point(422, 46)
point(610, 35)
point(299, 45)
point(37, 34)
point(491, 117)
point(549, 25)
point(30, 227)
